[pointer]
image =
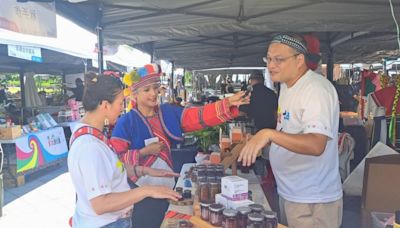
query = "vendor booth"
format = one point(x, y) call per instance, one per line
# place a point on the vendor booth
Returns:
point(34, 151)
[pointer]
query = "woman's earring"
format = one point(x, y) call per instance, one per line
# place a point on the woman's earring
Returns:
point(106, 128)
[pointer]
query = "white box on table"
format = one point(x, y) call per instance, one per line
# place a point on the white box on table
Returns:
point(234, 188)
point(240, 203)
point(219, 198)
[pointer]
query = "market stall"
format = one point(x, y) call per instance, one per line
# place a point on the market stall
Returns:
point(26, 154)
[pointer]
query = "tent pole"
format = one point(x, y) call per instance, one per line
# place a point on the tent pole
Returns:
point(64, 81)
point(172, 79)
point(385, 66)
point(22, 86)
point(152, 52)
point(329, 66)
point(100, 39)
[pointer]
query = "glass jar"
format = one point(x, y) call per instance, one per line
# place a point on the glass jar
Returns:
point(179, 190)
point(201, 171)
point(256, 208)
point(219, 170)
point(270, 219)
point(211, 179)
point(185, 224)
point(229, 218)
point(210, 171)
point(216, 214)
point(243, 212)
point(187, 194)
point(205, 210)
point(204, 190)
point(214, 190)
point(255, 220)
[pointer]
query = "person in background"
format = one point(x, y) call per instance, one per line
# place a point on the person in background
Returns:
point(146, 134)
point(3, 94)
point(262, 109)
point(229, 86)
point(243, 85)
point(104, 198)
point(163, 95)
point(78, 90)
point(304, 146)
point(223, 86)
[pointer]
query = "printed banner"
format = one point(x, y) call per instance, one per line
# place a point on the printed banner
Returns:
point(37, 149)
point(31, 18)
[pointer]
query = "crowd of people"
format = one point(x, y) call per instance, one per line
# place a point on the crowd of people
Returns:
point(126, 181)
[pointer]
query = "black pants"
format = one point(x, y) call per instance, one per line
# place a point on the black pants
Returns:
point(148, 213)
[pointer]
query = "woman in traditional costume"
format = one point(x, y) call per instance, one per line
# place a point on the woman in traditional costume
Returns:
point(145, 135)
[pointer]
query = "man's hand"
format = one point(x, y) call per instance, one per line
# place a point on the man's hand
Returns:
point(249, 152)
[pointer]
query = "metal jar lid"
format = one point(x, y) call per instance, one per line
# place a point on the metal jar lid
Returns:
point(229, 212)
point(243, 210)
point(216, 207)
point(255, 217)
point(270, 214)
point(205, 203)
point(256, 207)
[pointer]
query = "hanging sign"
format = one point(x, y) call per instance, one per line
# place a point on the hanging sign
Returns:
point(24, 52)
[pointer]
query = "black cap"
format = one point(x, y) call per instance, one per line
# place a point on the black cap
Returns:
point(257, 74)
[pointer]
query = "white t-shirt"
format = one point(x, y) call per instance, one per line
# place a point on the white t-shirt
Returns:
point(95, 170)
point(310, 106)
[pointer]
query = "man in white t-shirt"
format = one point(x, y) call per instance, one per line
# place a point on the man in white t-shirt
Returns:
point(304, 146)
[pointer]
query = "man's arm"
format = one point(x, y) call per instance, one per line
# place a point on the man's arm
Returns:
point(307, 144)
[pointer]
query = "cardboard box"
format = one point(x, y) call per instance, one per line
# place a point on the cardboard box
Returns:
point(234, 188)
point(381, 186)
point(10, 132)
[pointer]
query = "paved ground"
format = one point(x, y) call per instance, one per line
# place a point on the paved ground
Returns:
point(46, 200)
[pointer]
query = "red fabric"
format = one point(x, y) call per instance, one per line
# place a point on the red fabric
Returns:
point(158, 132)
point(213, 114)
point(313, 47)
point(385, 98)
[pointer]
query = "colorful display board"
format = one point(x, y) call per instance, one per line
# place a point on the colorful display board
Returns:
point(37, 149)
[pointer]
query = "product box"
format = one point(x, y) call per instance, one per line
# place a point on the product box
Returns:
point(241, 203)
point(219, 198)
point(231, 204)
point(10, 132)
point(234, 188)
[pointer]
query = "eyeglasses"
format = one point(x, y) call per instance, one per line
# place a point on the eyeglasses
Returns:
point(278, 60)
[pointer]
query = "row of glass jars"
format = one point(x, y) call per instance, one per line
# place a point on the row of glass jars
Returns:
point(211, 170)
point(253, 216)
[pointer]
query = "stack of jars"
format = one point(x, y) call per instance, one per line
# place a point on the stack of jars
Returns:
point(208, 179)
point(253, 216)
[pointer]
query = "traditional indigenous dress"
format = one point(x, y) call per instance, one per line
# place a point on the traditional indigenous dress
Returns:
point(168, 125)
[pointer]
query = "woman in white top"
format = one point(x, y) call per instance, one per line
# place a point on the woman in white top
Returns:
point(104, 198)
